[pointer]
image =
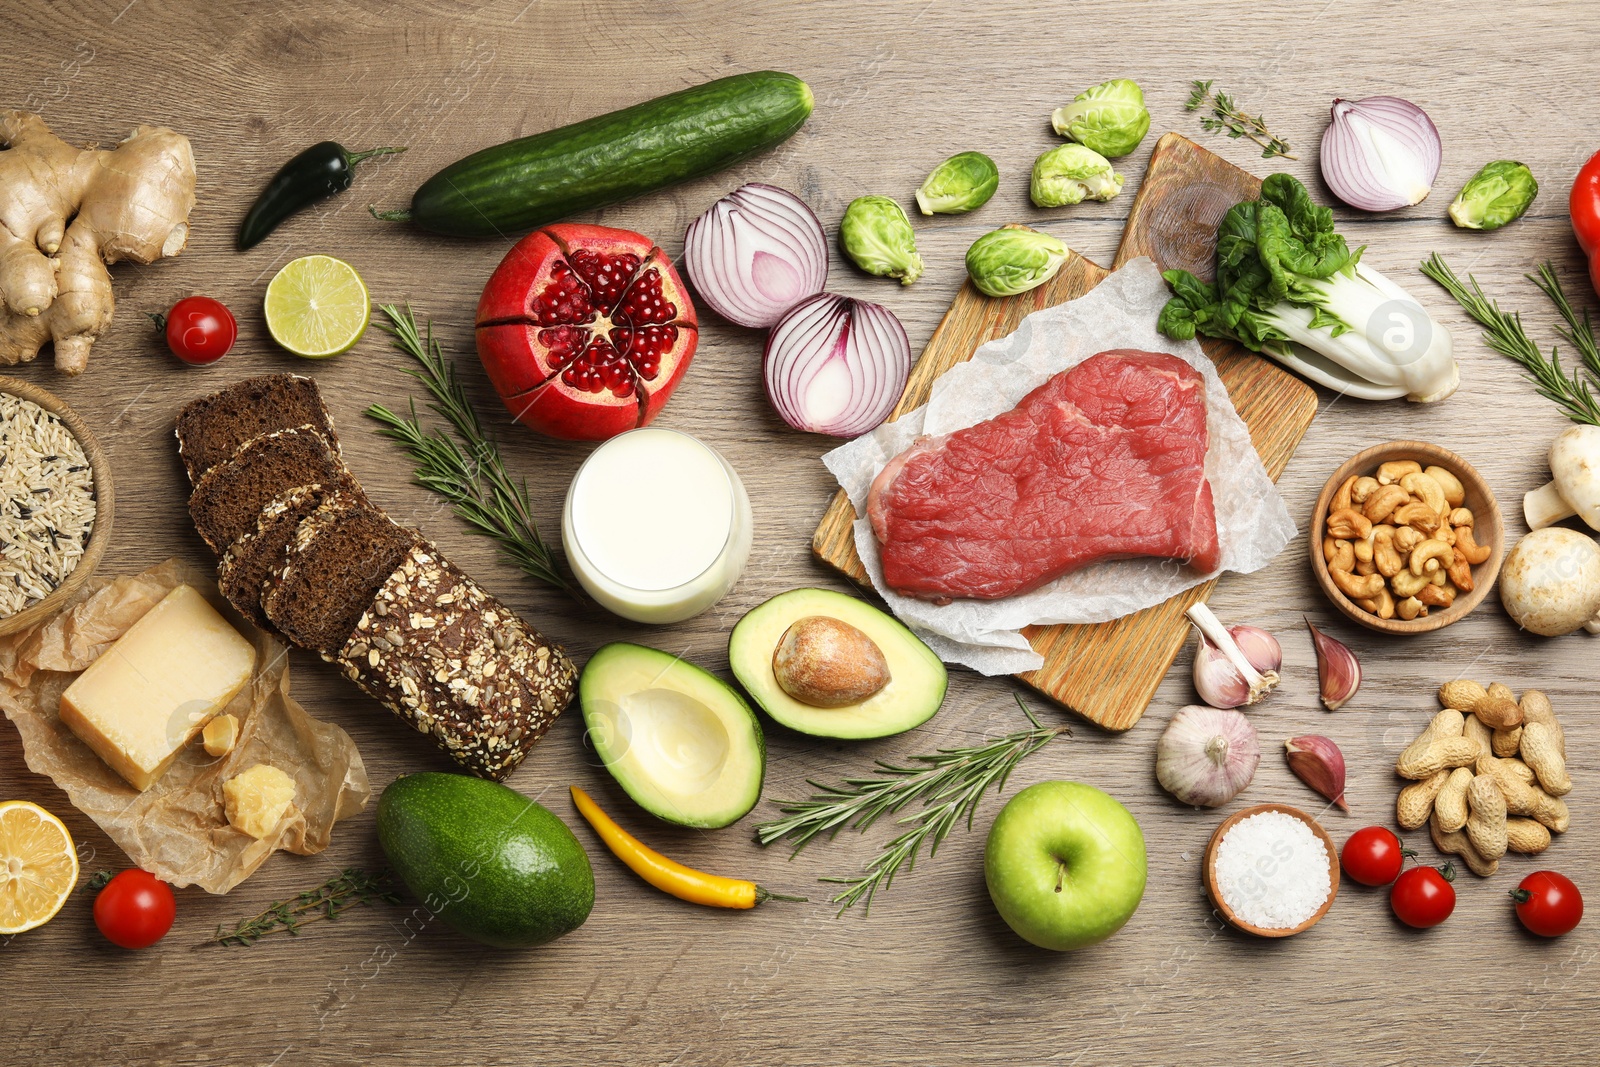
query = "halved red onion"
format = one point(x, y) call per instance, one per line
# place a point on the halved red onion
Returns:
point(836, 365)
point(1380, 153)
point(759, 251)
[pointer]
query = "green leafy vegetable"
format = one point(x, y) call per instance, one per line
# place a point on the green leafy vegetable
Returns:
point(877, 236)
point(1499, 193)
point(1014, 259)
point(962, 183)
point(1071, 174)
point(1226, 117)
point(1110, 118)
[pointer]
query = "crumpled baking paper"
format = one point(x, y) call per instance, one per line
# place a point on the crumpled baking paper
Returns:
point(176, 829)
point(1253, 523)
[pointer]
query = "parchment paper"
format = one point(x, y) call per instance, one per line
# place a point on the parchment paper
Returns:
point(1253, 523)
point(176, 829)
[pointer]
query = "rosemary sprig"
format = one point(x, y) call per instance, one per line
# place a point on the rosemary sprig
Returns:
point(1504, 332)
point(950, 783)
point(463, 466)
point(1226, 117)
point(351, 888)
point(1579, 332)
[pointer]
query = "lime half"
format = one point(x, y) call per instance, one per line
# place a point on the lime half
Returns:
point(317, 307)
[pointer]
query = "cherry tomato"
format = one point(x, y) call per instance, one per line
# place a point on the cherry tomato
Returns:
point(1548, 903)
point(135, 909)
point(1373, 856)
point(1423, 897)
point(200, 330)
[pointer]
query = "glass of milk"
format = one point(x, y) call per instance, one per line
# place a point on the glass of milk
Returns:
point(656, 526)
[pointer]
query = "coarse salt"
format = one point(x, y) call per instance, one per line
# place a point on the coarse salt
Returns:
point(1272, 871)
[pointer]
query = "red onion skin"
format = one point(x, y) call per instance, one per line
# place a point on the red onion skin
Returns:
point(830, 333)
point(727, 272)
point(1350, 173)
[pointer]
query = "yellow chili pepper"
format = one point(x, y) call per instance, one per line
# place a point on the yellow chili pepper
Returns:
point(685, 883)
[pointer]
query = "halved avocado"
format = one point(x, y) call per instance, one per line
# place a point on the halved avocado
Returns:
point(679, 739)
point(917, 680)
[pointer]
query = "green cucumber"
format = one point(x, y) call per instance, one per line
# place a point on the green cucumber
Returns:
point(522, 184)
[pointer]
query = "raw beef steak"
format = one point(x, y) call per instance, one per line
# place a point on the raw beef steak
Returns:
point(1107, 459)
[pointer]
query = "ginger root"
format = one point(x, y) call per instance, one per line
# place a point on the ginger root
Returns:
point(65, 215)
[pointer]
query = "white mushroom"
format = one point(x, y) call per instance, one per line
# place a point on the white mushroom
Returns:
point(1550, 583)
point(1575, 490)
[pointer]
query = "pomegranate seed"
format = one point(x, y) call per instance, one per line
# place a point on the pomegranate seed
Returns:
point(563, 343)
point(606, 275)
point(564, 300)
point(645, 302)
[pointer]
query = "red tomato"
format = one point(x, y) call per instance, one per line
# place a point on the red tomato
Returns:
point(200, 330)
point(1423, 897)
point(1548, 903)
point(135, 909)
point(1373, 856)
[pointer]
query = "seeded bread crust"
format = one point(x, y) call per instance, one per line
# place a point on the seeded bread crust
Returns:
point(458, 665)
point(227, 501)
point(254, 556)
point(213, 428)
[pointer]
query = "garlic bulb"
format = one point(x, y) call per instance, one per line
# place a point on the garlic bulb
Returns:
point(1206, 756)
point(1233, 666)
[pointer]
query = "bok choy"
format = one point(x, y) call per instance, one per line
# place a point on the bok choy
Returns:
point(1289, 287)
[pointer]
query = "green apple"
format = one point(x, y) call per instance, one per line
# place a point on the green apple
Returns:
point(1065, 865)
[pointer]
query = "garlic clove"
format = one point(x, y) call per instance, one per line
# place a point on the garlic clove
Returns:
point(1317, 762)
point(1223, 675)
point(1258, 646)
point(1216, 679)
point(1338, 670)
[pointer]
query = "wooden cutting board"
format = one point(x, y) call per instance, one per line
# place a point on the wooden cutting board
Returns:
point(1107, 672)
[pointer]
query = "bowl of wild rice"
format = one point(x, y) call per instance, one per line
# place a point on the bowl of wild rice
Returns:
point(55, 504)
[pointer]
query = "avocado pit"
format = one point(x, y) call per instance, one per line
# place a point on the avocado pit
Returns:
point(827, 663)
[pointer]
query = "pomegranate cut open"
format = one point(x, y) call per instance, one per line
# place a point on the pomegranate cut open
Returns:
point(585, 331)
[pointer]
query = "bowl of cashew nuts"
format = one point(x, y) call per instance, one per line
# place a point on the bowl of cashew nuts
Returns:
point(1406, 538)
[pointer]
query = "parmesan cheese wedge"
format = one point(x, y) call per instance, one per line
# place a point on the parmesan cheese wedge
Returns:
point(147, 695)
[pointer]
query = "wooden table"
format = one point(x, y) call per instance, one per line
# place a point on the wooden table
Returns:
point(932, 975)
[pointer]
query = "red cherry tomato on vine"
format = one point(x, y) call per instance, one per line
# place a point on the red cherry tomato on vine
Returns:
point(1423, 897)
point(135, 909)
point(1548, 903)
point(1373, 856)
point(200, 330)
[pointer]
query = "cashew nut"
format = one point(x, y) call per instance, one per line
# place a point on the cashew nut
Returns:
point(1383, 551)
point(1357, 587)
point(1431, 551)
point(1330, 548)
point(1438, 576)
point(1454, 491)
point(1410, 608)
point(1416, 515)
point(1344, 557)
point(1460, 571)
point(1341, 499)
point(1407, 538)
point(1386, 605)
point(1395, 469)
point(1407, 584)
point(1427, 490)
point(1363, 550)
point(1474, 553)
point(1362, 491)
point(1437, 596)
point(1381, 505)
point(1460, 517)
point(1349, 525)
point(1365, 566)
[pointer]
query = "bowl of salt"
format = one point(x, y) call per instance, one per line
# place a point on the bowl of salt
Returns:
point(1271, 870)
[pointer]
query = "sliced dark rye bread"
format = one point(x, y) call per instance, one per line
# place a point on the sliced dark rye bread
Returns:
point(210, 430)
point(256, 554)
point(332, 568)
point(228, 499)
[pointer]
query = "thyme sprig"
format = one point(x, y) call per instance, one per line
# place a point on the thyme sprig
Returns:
point(1227, 117)
point(949, 783)
point(351, 888)
point(463, 466)
point(1504, 332)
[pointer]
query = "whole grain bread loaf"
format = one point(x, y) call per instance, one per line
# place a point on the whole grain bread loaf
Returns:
point(210, 430)
point(338, 557)
point(228, 499)
point(457, 664)
point(255, 555)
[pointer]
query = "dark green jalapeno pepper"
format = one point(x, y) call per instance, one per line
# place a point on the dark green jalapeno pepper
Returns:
point(318, 172)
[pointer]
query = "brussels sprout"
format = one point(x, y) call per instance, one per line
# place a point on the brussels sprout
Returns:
point(877, 237)
point(1014, 259)
point(959, 184)
point(1110, 118)
point(1496, 195)
point(1071, 174)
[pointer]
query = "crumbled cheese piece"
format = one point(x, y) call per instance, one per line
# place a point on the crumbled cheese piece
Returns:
point(146, 697)
point(257, 800)
point(220, 735)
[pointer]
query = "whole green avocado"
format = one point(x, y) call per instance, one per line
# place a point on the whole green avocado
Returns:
point(491, 863)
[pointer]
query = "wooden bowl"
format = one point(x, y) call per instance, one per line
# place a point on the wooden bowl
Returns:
point(1488, 529)
point(99, 537)
point(1208, 869)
